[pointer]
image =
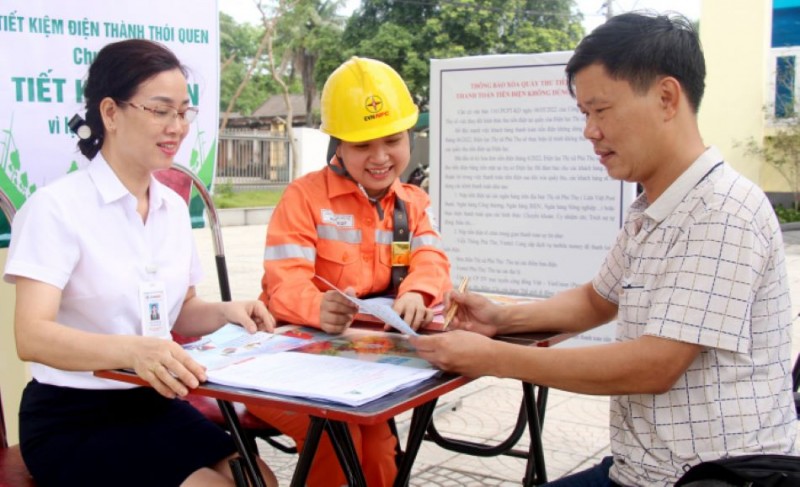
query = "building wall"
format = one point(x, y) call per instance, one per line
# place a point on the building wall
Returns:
point(736, 38)
point(312, 147)
point(736, 41)
point(13, 372)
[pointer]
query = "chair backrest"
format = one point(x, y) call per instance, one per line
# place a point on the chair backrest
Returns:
point(7, 206)
point(3, 438)
point(182, 180)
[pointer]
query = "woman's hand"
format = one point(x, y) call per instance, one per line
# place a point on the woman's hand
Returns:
point(166, 366)
point(336, 312)
point(411, 306)
point(253, 316)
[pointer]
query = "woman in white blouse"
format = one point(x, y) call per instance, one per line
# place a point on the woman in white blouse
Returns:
point(91, 255)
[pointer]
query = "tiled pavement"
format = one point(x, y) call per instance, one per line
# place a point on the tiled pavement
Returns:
point(575, 434)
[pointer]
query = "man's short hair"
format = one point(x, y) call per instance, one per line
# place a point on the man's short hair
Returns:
point(640, 48)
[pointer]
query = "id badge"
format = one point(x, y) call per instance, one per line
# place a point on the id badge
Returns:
point(154, 313)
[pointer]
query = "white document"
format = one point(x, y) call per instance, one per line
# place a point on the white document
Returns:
point(320, 377)
point(379, 308)
point(232, 343)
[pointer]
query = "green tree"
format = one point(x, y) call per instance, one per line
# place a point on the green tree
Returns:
point(246, 81)
point(307, 31)
point(780, 148)
point(407, 35)
point(272, 16)
point(238, 49)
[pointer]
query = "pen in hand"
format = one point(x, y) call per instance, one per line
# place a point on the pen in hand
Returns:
point(451, 311)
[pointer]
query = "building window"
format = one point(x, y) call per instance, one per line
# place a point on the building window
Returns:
point(784, 87)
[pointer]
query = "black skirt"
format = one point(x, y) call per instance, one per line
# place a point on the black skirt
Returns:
point(129, 437)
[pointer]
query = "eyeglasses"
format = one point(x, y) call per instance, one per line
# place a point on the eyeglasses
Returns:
point(165, 114)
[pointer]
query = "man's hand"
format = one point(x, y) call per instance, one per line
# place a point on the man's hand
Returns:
point(475, 313)
point(462, 352)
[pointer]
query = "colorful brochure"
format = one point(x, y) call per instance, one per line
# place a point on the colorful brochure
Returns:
point(353, 368)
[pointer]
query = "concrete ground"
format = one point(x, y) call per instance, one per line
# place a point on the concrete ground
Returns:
point(575, 432)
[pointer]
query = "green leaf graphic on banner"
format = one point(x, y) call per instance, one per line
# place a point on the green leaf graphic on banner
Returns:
point(204, 169)
point(206, 172)
point(15, 160)
point(13, 181)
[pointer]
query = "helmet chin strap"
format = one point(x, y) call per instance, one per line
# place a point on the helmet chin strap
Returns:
point(341, 170)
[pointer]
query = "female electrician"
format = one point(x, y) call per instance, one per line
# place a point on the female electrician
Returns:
point(356, 225)
point(91, 255)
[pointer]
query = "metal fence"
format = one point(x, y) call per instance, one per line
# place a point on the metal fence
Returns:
point(250, 159)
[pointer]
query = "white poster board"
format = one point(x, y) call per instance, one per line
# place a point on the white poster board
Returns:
point(46, 48)
point(524, 206)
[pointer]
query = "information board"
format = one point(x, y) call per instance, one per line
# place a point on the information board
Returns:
point(524, 206)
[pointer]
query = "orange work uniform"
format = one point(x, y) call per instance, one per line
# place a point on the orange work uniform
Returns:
point(325, 225)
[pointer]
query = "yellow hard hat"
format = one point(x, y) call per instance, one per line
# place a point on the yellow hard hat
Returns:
point(365, 99)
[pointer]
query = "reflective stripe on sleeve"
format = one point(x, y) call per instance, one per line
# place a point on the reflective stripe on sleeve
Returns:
point(428, 240)
point(289, 251)
point(339, 234)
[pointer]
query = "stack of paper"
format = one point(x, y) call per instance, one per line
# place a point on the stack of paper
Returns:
point(353, 368)
point(327, 378)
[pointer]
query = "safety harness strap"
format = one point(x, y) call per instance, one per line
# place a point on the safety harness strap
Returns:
point(401, 246)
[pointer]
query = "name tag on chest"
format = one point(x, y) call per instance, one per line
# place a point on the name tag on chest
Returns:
point(332, 218)
point(154, 313)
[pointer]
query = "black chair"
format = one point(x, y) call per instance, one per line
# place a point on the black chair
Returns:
point(182, 181)
point(13, 472)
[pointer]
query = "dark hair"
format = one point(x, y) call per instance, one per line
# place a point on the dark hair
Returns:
point(117, 72)
point(640, 47)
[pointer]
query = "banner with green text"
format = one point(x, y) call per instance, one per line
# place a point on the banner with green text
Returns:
point(46, 48)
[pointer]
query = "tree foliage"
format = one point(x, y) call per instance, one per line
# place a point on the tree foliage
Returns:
point(781, 147)
point(781, 150)
point(306, 31)
point(311, 40)
point(238, 45)
point(310, 29)
point(408, 33)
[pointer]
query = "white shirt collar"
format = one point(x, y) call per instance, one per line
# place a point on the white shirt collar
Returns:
point(677, 191)
point(111, 188)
